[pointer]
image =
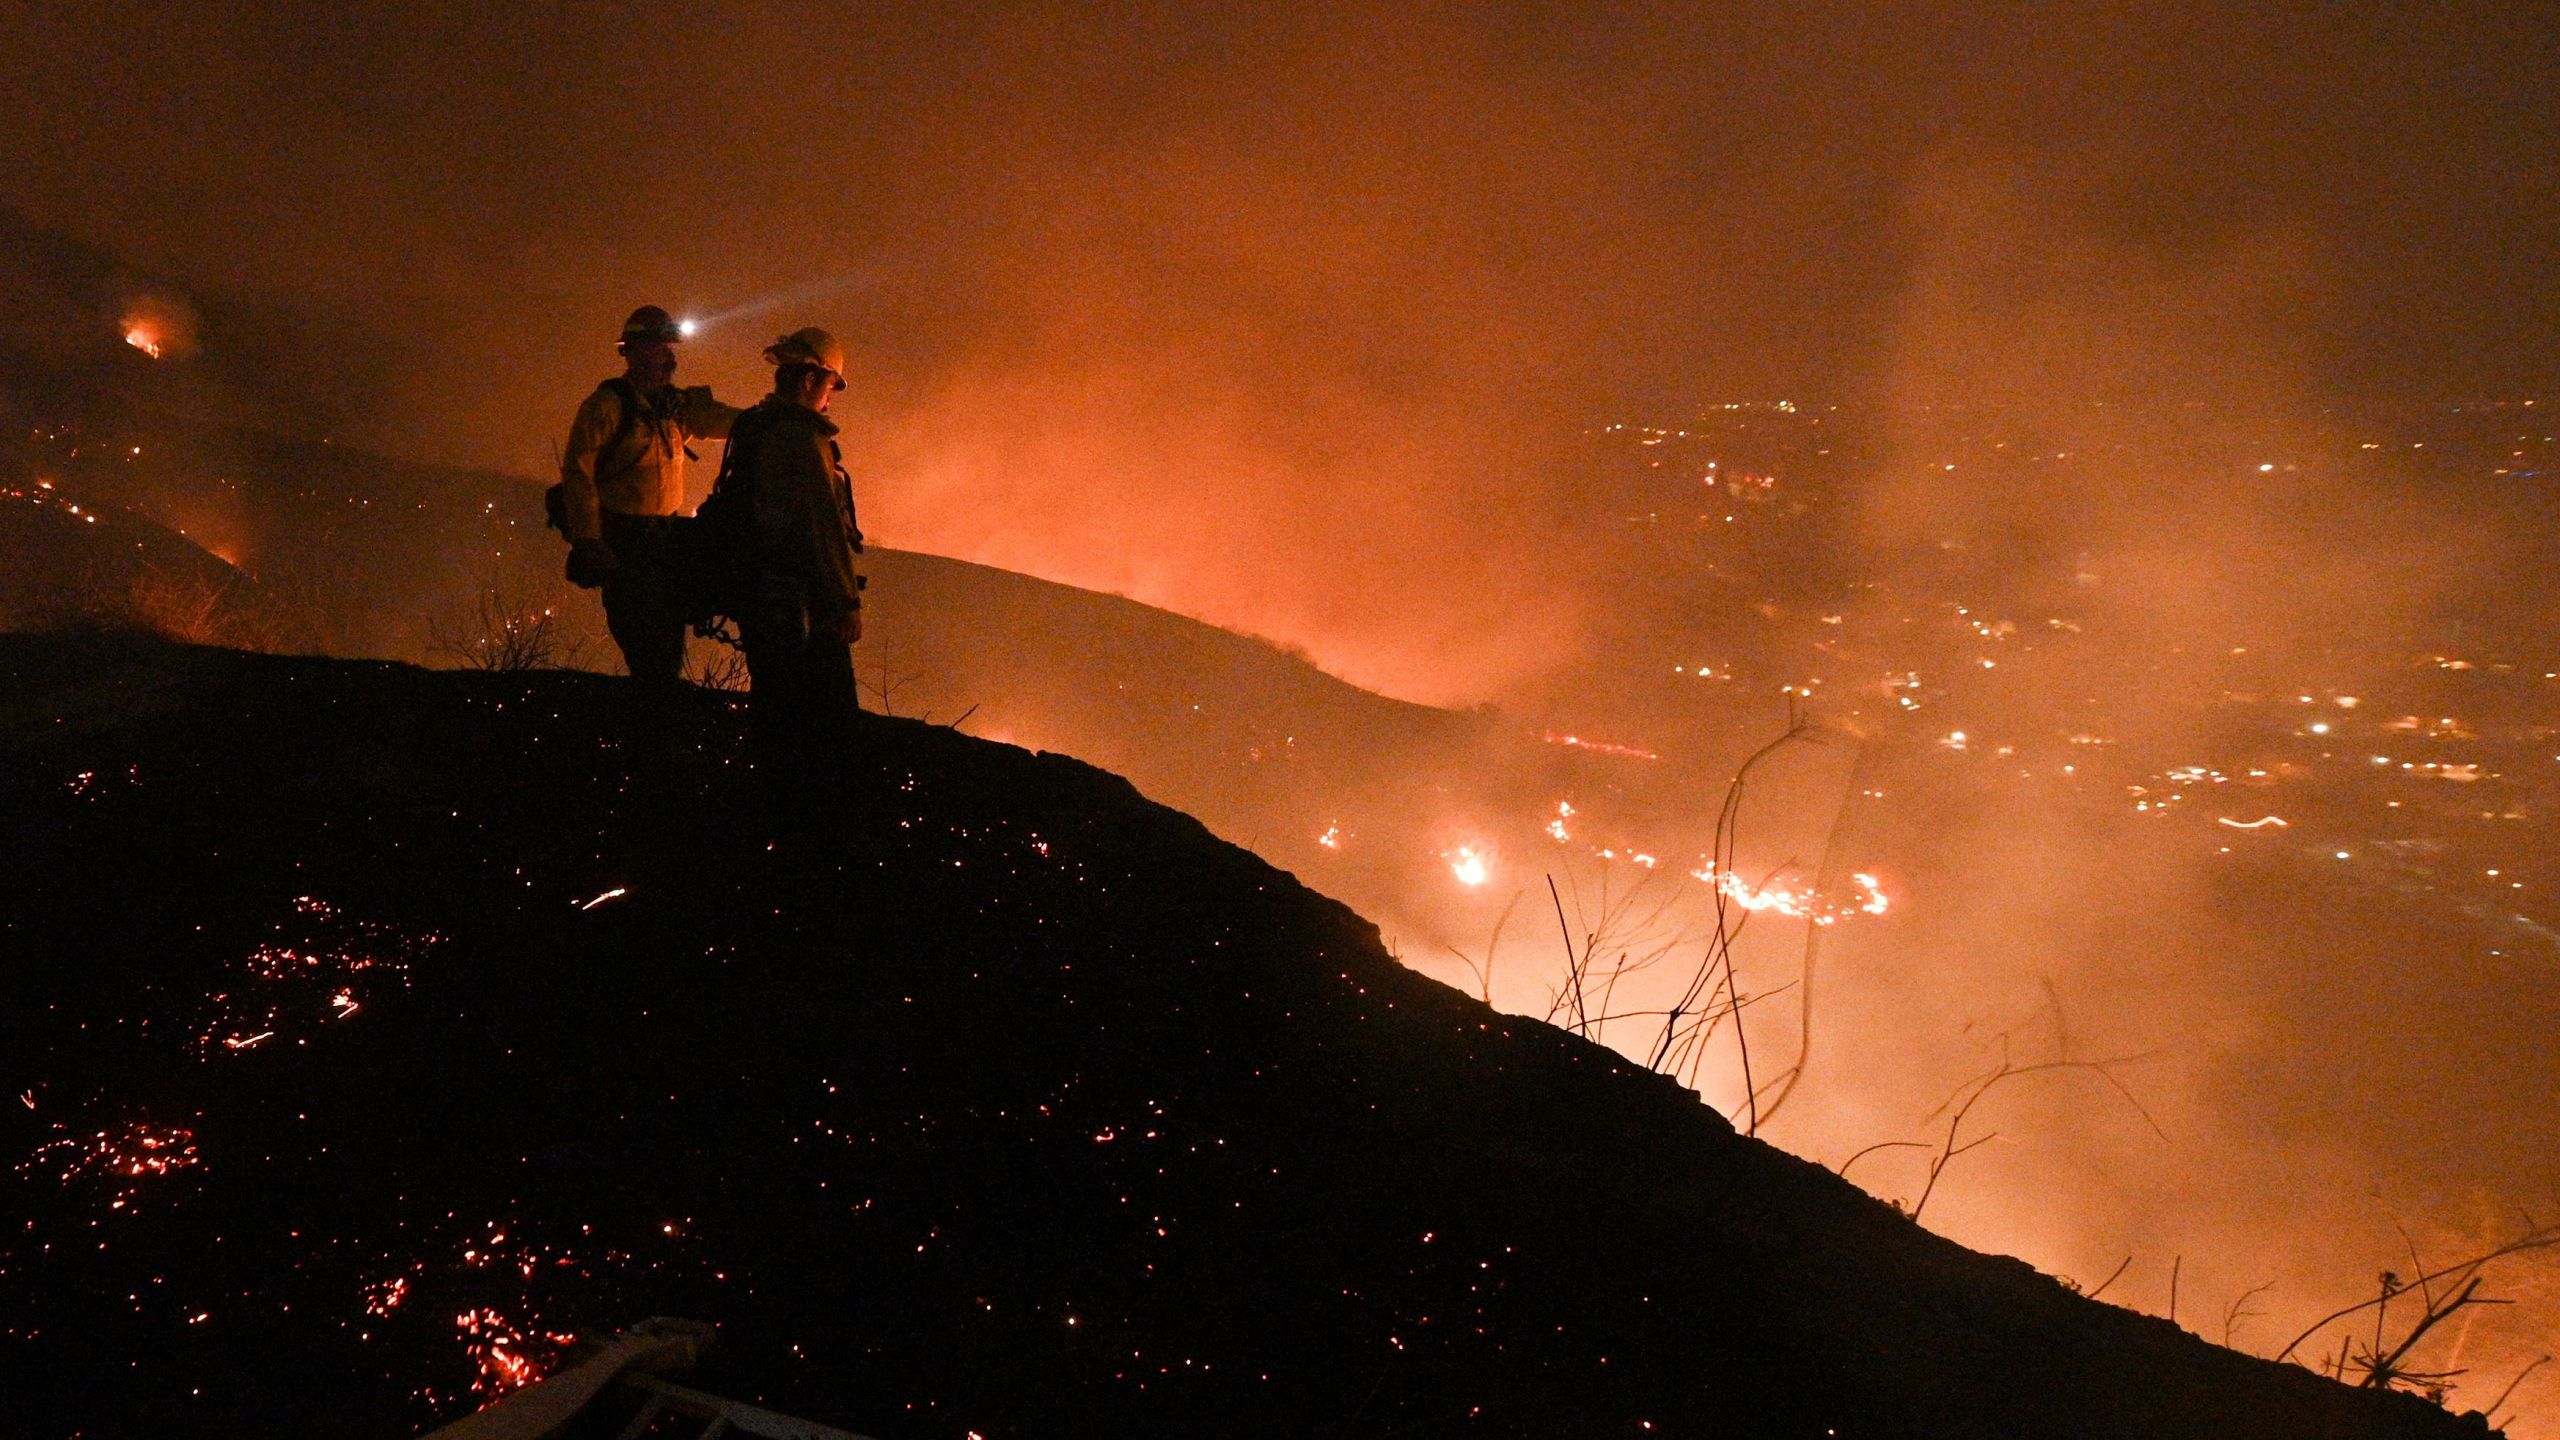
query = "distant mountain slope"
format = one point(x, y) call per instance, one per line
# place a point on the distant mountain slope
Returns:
point(373, 1031)
point(60, 558)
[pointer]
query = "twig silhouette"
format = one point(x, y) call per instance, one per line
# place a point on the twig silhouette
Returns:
point(1705, 982)
point(2491, 1409)
point(2111, 1278)
point(2238, 1310)
point(1484, 972)
point(1826, 878)
point(2462, 1273)
point(1963, 1104)
point(1843, 1171)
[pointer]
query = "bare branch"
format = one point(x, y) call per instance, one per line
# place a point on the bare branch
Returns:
point(1843, 1171)
point(1981, 1086)
point(2111, 1278)
point(2539, 1239)
point(508, 632)
point(2237, 1310)
point(2491, 1408)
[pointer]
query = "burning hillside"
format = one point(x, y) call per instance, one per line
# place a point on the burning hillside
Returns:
point(377, 1033)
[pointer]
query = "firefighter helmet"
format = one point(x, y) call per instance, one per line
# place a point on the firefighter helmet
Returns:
point(649, 322)
point(810, 346)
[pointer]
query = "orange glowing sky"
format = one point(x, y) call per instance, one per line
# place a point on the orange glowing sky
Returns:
point(1261, 315)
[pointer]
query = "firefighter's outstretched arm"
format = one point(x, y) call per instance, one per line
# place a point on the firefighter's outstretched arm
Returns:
point(704, 418)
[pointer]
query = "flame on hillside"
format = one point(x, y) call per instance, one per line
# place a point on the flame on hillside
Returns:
point(1469, 865)
point(160, 326)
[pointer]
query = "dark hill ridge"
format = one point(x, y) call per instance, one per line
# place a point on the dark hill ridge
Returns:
point(360, 1050)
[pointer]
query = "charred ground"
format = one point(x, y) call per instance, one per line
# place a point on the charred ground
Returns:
point(340, 1091)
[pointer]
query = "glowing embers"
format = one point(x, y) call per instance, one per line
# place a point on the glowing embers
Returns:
point(46, 494)
point(384, 1296)
point(1600, 747)
point(2173, 785)
point(144, 338)
point(516, 1295)
point(116, 1162)
point(1801, 903)
point(2437, 727)
point(315, 969)
point(508, 1356)
point(85, 785)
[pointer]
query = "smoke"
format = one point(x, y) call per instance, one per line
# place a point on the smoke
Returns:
point(2157, 406)
point(1311, 393)
point(2132, 438)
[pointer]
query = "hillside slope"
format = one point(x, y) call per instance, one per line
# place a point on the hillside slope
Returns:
point(374, 1031)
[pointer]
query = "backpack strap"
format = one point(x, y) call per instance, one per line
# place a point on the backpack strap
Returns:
point(737, 454)
point(629, 396)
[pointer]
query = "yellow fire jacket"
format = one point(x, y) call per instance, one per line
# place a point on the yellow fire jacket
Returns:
point(644, 473)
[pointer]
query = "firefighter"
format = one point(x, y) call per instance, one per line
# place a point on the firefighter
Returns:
point(804, 607)
point(621, 486)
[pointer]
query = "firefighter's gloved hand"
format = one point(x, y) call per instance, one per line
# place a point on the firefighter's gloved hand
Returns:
point(591, 563)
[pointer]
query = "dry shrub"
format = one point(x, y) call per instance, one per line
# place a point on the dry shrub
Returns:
point(190, 605)
point(714, 666)
point(507, 632)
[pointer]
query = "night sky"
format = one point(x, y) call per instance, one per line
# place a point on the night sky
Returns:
point(1595, 204)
